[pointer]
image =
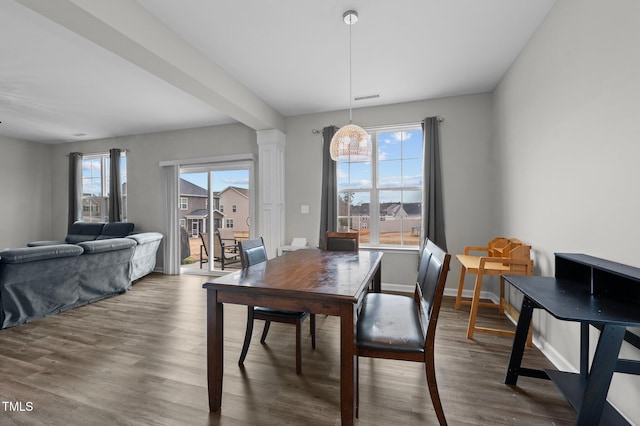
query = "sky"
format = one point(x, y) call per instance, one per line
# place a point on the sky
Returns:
point(221, 179)
point(399, 165)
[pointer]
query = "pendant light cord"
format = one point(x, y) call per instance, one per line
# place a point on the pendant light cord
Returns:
point(350, 72)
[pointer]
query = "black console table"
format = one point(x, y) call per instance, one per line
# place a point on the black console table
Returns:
point(594, 292)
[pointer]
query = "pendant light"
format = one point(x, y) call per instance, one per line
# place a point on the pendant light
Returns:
point(350, 140)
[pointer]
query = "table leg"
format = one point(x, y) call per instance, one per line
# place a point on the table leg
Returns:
point(214, 350)
point(519, 341)
point(377, 280)
point(347, 362)
point(602, 369)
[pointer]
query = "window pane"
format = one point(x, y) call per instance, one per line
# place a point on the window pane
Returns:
point(400, 217)
point(412, 144)
point(354, 175)
point(390, 174)
point(412, 173)
point(92, 177)
point(353, 213)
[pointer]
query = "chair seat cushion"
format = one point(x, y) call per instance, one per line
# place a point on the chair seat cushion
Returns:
point(390, 322)
point(279, 313)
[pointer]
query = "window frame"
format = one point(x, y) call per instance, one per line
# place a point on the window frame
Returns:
point(375, 189)
point(102, 199)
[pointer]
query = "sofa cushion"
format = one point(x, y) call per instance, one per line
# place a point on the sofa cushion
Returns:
point(84, 231)
point(111, 244)
point(30, 254)
point(115, 230)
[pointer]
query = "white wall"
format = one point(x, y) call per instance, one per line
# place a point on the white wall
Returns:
point(567, 143)
point(25, 192)
point(145, 183)
point(468, 168)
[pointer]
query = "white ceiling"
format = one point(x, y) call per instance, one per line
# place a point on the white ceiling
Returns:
point(89, 69)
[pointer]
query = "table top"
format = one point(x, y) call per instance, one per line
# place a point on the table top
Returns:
point(324, 275)
point(571, 301)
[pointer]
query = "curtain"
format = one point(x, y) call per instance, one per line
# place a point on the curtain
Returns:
point(75, 189)
point(433, 218)
point(115, 186)
point(328, 205)
point(171, 262)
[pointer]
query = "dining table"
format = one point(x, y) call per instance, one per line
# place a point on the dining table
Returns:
point(311, 280)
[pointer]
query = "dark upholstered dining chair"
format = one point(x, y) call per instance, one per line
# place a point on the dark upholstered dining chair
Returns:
point(342, 241)
point(400, 327)
point(251, 253)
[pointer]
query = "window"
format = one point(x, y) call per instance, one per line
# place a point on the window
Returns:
point(221, 208)
point(229, 223)
point(184, 203)
point(381, 196)
point(234, 208)
point(183, 223)
point(95, 187)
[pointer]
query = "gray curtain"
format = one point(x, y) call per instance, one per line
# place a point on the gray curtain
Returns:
point(115, 186)
point(328, 205)
point(75, 189)
point(433, 219)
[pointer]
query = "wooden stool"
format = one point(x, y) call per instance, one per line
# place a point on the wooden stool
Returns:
point(504, 257)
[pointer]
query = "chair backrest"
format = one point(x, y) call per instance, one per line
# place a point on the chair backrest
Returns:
point(342, 241)
point(205, 242)
point(227, 234)
point(432, 277)
point(252, 252)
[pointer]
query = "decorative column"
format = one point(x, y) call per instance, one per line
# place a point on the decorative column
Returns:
point(271, 145)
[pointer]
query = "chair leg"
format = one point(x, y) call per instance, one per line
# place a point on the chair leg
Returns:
point(312, 325)
point(265, 331)
point(247, 335)
point(475, 304)
point(357, 384)
point(460, 287)
point(299, 347)
point(433, 387)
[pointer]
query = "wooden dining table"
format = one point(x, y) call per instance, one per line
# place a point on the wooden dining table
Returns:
point(315, 281)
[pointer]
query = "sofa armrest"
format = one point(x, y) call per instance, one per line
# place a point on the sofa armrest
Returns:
point(111, 244)
point(145, 237)
point(30, 254)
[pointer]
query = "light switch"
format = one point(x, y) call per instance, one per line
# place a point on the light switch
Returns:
point(304, 209)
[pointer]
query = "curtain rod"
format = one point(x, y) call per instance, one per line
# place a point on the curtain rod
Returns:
point(386, 126)
point(98, 153)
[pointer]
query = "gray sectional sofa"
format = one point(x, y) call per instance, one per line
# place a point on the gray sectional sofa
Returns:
point(48, 277)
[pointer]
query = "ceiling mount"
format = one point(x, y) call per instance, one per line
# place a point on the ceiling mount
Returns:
point(350, 17)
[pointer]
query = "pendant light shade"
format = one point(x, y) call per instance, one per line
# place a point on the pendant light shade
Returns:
point(350, 140)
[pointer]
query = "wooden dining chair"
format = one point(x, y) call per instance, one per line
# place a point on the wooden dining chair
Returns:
point(392, 326)
point(342, 241)
point(253, 252)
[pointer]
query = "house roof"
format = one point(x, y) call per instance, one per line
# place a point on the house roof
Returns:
point(189, 188)
point(242, 191)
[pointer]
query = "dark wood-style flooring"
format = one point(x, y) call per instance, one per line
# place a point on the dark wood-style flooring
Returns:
point(140, 359)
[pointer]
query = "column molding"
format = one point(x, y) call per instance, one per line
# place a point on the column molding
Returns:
point(271, 189)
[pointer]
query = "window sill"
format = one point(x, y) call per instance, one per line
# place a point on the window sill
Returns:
point(388, 249)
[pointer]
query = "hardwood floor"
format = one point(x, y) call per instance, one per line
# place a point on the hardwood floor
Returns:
point(140, 359)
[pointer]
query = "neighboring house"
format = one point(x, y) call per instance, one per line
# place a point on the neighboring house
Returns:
point(234, 204)
point(230, 208)
point(194, 208)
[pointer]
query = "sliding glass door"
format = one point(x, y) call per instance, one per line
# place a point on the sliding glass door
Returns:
point(214, 211)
